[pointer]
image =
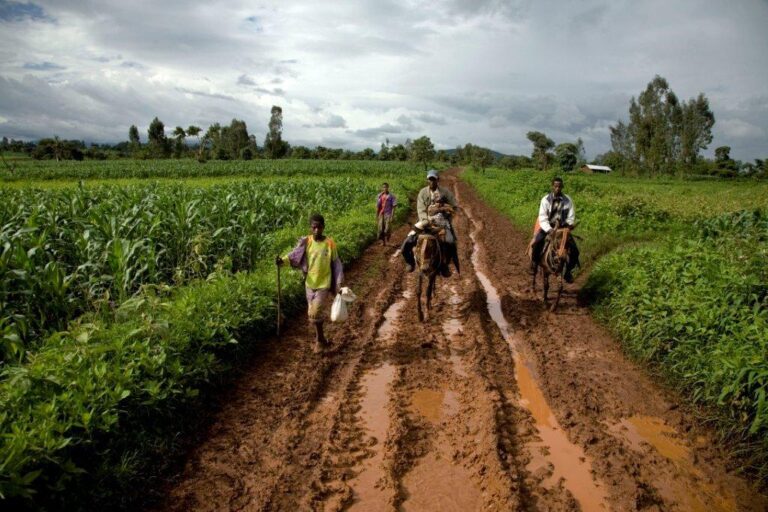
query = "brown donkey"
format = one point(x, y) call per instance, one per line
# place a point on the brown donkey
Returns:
point(428, 257)
point(554, 260)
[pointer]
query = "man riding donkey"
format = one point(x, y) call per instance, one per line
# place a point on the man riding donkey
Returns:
point(555, 208)
point(434, 205)
point(317, 256)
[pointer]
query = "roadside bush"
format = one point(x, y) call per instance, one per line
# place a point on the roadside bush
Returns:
point(698, 310)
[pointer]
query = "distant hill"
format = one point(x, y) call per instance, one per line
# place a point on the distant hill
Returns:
point(495, 154)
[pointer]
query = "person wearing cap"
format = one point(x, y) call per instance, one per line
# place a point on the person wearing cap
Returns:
point(432, 194)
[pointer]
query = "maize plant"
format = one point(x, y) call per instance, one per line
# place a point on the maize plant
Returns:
point(67, 251)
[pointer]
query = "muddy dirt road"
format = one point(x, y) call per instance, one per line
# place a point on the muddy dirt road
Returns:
point(492, 404)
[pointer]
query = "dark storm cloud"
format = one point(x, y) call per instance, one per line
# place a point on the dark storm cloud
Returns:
point(485, 71)
point(333, 121)
point(18, 11)
point(245, 80)
point(42, 66)
point(431, 119)
point(204, 94)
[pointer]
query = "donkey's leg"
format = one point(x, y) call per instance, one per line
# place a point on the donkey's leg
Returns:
point(418, 298)
point(546, 287)
point(430, 290)
point(560, 280)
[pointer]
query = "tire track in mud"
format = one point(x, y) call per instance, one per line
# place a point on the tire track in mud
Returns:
point(644, 445)
point(491, 404)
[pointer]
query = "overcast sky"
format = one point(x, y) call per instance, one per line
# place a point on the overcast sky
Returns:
point(351, 74)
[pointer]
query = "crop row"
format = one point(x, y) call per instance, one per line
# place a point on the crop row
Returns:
point(74, 250)
point(114, 169)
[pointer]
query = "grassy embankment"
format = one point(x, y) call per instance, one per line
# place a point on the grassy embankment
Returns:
point(157, 297)
point(680, 274)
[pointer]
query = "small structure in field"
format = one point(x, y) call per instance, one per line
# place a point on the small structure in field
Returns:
point(589, 168)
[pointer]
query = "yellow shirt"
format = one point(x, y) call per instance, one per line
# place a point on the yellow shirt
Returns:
point(320, 255)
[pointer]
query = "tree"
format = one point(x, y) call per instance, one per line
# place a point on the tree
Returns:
point(663, 134)
point(274, 147)
point(423, 151)
point(567, 156)
point(211, 140)
point(194, 131)
point(696, 125)
point(235, 138)
point(384, 151)
point(179, 134)
point(581, 153)
point(158, 143)
point(726, 167)
point(133, 135)
point(482, 158)
point(541, 146)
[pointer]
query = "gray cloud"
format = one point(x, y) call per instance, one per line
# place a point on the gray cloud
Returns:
point(431, 119)
point(483, 71)
point(42, 66)
point(245, 80)
point(18, 11)
point(333, 121)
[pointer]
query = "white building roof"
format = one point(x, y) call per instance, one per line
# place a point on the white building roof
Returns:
point(599, 167)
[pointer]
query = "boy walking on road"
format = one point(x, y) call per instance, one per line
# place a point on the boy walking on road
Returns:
point(317, 256)
point(385, 209)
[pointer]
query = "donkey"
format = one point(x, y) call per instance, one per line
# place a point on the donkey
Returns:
point(429, 257)
point(554, 261)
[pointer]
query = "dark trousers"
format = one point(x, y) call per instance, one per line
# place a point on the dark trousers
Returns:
point(538, 247)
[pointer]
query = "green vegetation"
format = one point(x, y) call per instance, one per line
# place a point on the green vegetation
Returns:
point(116, 169)
point(93, 405)
point(687, 288)
point(73, 250)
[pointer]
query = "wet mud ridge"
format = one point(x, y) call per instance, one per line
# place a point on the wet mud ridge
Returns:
point(490, 404)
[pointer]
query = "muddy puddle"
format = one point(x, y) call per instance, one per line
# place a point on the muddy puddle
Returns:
point(691, 490)
point(439, 484)
point(368, 491)
point(435, 405)
point(568, 462)
point(388, 327)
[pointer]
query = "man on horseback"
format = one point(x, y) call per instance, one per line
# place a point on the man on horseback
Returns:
point(556, 208)
point(434, 205)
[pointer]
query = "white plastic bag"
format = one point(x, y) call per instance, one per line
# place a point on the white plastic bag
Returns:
point(339, 311)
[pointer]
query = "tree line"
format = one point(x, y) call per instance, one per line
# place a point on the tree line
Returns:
point(665, 136)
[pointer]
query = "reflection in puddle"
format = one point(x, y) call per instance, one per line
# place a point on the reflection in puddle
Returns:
point(391, 315)
point(568, 460)
point(689, 490)
point(452, 327)
point(640, 429)
point(438, 484)
point(367, 495)
point(457, 365)
point(434, 404)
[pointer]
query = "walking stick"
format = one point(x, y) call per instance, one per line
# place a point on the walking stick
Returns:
point(279, 298)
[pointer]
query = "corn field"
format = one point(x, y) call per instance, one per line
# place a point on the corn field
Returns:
point(79, 249)
point(147, 169)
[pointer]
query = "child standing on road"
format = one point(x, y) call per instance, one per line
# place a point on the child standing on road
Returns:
point(317, 256)
point(385, 209)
